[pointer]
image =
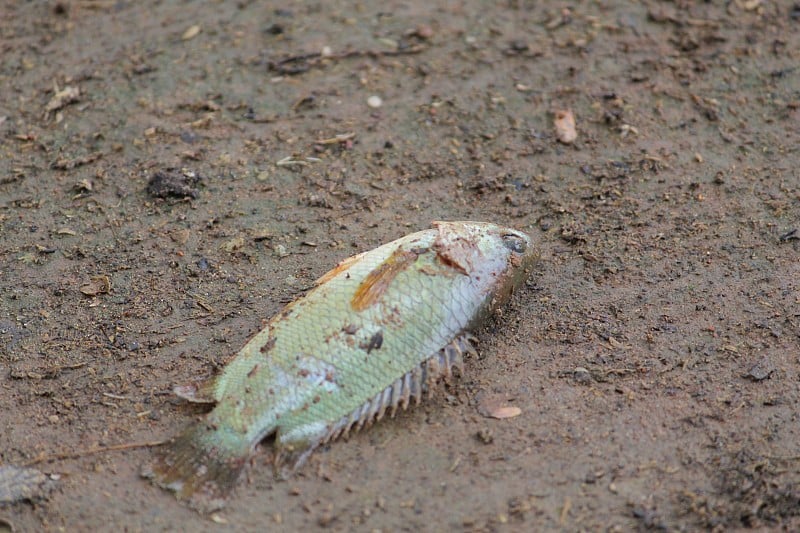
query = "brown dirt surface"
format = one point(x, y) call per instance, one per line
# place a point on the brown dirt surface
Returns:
point(172, 173)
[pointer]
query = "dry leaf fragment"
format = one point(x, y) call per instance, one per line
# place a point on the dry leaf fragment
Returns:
point(497, 406)
point(96, 285)
point(748, 5)
point(179, 236)
point(191, 33)
point(62, 98)
point(506, 411)
point(565, 126)
point(233, 245)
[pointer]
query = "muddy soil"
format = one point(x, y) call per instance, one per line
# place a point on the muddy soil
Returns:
point(172, 173)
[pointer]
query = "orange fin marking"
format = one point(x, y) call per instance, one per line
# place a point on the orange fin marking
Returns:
point(378, 281)
point(338, 269)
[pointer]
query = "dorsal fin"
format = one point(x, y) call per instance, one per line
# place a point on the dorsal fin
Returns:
point(377, 281)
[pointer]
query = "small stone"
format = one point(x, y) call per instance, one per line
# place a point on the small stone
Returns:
point(423, 31)
point(374, 101)
point(23, 484)
point(564, 123)
point(581, 375)
point(485, 435)
point(761, 371)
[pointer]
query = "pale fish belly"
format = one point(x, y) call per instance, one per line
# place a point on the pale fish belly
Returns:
point(376, 332)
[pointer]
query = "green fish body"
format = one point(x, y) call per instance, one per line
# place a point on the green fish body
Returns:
point(375, 332)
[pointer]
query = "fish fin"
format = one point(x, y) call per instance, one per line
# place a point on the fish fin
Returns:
point(291, 455)
point(203, 392)
point(294, 447)
point(399, 394)
point(198, 468)
point(338, 269)
point(377, 282)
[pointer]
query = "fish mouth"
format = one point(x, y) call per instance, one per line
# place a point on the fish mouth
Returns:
point(520, 245)
point(523, 254)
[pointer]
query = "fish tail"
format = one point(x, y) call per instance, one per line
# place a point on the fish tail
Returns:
point(200, 466)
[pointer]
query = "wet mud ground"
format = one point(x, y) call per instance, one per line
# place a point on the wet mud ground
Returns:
point(172, 173)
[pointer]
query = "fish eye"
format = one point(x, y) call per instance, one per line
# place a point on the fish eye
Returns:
point(515, 243)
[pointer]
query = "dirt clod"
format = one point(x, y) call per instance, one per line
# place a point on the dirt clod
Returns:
point(23, 484)
point(173, 183)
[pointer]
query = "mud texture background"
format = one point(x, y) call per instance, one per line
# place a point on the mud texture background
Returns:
point(171, 175)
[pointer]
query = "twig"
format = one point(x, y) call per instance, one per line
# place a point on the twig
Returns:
point(115, 396)
point(92, 451)
point(342, 137)
point(290, 161)
point(301, 63)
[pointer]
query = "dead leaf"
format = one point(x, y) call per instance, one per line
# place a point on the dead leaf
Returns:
point(68, 164)
point(233, 245)
point(179, 236)
point(506, 411)
point(748, 5)
point(191, 33)
point(565, 126)
point(497, 406)
point(96, 285)
point(62, 98)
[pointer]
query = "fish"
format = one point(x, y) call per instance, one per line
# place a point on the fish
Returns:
point(374, 335)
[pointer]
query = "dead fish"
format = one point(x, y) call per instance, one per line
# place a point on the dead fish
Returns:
point(372, 336)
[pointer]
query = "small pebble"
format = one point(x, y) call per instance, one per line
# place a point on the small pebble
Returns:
point(280, 250)
point(374, 101)
point(485, 435)
point(582, 375)
point(423, 31)
point(564, 122)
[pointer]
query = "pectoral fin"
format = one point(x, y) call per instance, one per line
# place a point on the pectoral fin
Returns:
point(203, 392)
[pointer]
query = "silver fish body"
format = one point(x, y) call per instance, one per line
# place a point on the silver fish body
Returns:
point(375, 332)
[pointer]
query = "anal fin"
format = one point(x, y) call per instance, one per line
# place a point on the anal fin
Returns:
point(399, 395)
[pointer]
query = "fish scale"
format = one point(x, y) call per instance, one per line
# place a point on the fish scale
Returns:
point(374, 333)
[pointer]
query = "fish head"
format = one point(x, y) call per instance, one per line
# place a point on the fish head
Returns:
point(496, 258)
